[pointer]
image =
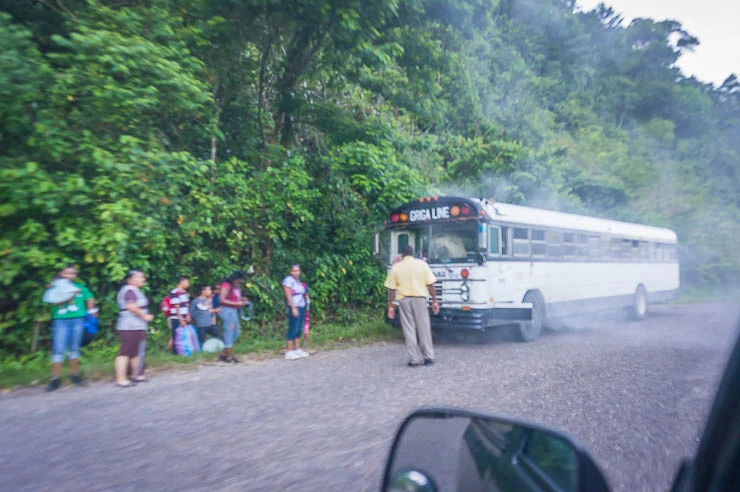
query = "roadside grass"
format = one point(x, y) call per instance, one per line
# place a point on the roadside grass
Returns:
point(695, 294)
point(256, 342)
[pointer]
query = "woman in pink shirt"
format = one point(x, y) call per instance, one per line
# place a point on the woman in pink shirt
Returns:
point(230, 301)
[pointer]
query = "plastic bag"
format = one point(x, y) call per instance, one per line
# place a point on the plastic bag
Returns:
point(186, 340)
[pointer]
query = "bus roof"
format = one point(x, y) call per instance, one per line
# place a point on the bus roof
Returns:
point(518, 214)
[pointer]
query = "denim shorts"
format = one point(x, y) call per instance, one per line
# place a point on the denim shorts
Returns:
point(230, 319)
point(295, 325)
point(66, 336)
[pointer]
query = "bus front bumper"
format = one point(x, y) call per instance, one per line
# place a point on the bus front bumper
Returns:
point(503, 314)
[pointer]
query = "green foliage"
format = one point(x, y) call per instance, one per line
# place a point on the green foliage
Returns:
point(200, 137)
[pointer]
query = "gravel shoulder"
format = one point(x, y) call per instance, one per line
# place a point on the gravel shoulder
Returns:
point(636, 394)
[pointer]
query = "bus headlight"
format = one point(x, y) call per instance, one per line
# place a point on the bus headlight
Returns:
point(465, 292)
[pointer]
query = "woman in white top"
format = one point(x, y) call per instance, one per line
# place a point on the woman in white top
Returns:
point(296, 296)
point(133, 322)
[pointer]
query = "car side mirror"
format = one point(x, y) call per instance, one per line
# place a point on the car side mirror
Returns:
point(456, 450)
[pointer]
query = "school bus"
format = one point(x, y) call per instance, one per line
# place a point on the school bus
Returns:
point(501, 264)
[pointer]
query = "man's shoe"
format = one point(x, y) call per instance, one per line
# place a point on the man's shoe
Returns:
point(428, 362)
point(234, 360)
point(414, 364)
point(77, 380)
point(53, 385)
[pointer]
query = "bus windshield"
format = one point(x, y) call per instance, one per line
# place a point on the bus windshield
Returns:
point(453, 243)
point(437, 243)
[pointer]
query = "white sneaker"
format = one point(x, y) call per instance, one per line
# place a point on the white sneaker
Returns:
point(291, 355)
point(302, 353)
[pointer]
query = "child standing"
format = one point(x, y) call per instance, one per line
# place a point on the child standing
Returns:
point(203, 314)
point(179, 315)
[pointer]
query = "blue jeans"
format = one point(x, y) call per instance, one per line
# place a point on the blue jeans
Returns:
point(295, 325)
point(230, 319)
point(66, 335)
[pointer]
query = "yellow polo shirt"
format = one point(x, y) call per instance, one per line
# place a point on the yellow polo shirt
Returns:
point(410, 278)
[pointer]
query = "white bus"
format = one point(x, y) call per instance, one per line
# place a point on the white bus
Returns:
point(498, 263)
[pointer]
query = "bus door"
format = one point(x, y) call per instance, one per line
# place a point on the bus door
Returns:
point(399, 239)
point(418, 238)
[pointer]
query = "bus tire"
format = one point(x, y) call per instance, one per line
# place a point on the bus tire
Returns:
point(639, 304)
point(530, 330)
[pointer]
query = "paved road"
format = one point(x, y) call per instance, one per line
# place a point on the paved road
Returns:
point(635, 393)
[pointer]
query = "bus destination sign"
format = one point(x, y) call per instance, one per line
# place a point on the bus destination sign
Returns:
point(432, 213)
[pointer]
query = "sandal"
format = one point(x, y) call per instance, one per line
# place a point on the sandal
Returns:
point(140, 380)
point(130, 384)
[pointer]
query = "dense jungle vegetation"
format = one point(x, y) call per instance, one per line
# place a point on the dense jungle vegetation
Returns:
point(203, 136)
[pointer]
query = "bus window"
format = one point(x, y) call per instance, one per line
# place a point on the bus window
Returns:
point(661, 251)
point(644, 251)
point(615, 247)
point(521, 248)
point(607, 251)
point(539, 247)
point(635, 254)
point(494, 244)
point(626, 250)
point(520, 242)
point(594, 246)
point(554, 244)
point(673, 250)
point(505, 248)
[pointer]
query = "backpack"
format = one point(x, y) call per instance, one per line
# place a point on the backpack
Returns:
point(165, 306)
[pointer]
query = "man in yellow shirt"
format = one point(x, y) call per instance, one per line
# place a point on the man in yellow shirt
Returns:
point(411, 281)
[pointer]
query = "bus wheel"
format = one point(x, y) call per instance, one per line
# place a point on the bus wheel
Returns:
point(531, 330)
point(639, 304)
